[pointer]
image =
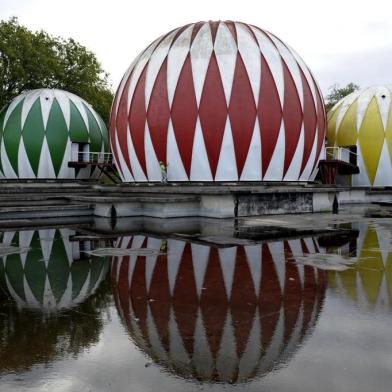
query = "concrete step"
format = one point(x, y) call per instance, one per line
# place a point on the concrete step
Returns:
point(35, 202)
point(42, 195)
point(135, 198)
point(16, 190)
point(45, 211)
point(42, 207)
point(63, 188)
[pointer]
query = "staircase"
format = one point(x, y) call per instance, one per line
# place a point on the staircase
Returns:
point(21, 202)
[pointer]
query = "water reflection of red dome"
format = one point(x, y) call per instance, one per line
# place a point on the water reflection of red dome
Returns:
point(217, 315)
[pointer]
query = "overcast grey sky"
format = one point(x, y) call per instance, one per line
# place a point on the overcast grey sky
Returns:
point(340, 40)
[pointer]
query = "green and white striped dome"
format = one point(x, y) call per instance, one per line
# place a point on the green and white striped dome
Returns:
point(42, 130)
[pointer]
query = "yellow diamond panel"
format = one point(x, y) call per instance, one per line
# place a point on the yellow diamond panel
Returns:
point(371, 139)
point(371, 266)
point(331, 131)
point(347, 132)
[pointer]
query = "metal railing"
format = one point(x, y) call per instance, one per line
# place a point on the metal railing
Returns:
point(95, 157)
point(340, 153)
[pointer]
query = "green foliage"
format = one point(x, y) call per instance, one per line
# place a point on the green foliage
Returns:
point(30, 60)
point(336, 93)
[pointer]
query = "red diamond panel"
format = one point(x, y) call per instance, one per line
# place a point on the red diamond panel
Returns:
point(213, 113)
point(158, 114)
point(160, 305)
point(310, 119)
point(139, 295)
point(122, 124)
point(269, 114)
point(242, 112)
point(292, 116)
point(213, 302)
point(137, 119)
point(243, 301)
point(184, 114)
point(186, 301)
point(321, 124)
point(292, 294)
point(270, 298)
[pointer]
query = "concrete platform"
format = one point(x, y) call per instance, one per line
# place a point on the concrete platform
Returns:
point(226, 200)
point(176, 200)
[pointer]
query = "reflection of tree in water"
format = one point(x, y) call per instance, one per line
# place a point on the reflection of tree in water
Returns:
point(225, 315)
point(56, 300)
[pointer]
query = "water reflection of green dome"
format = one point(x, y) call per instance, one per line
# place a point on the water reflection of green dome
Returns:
point(66, 291)
point(51, 274)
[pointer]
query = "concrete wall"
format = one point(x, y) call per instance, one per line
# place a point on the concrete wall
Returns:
point(274, 203)
point(228, 205)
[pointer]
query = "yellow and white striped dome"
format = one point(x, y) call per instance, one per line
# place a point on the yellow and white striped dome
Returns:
point(364, 119)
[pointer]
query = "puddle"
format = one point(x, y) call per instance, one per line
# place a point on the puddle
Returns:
point(199, 309)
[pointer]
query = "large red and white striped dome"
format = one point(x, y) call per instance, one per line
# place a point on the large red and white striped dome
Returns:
point(218, 101)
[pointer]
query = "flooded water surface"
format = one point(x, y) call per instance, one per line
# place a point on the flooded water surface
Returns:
point(171, 310)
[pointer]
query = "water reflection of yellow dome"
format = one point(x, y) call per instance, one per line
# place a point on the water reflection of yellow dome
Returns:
point(369, 282)
point(225, 315)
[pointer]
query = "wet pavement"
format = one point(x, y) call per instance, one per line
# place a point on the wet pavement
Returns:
point(199, 305)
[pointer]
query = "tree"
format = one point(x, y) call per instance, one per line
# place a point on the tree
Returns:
point(30, 60)
point(336, 93)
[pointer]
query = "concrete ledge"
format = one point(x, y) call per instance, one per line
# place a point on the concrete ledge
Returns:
point(217, 206)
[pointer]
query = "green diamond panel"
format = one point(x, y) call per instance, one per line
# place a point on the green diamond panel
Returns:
point(35, 269)
point(79, 271)
point(15, 274)
point(58, 267)
point(78, 132)
point(33, 135)
point(95, 132)
point(2, 116)
point(96, 268)
point(105, 134)
point(12, 135)
point(56, 135)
